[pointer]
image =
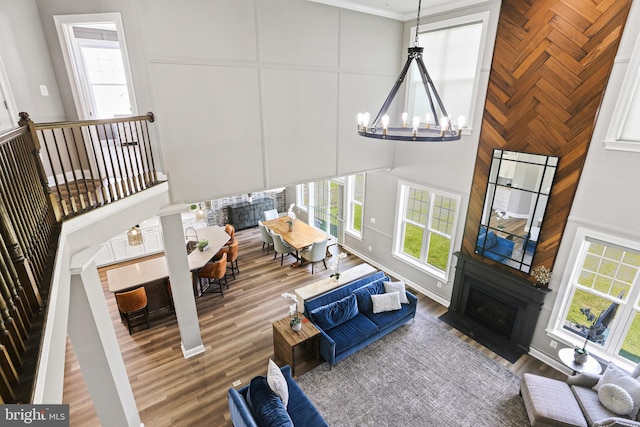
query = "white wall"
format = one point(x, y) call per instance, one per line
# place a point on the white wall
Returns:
point(26, 61)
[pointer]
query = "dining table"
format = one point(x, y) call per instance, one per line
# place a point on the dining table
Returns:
point(299, 236)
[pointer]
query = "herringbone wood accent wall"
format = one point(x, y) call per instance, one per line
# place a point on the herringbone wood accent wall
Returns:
point(551, 63)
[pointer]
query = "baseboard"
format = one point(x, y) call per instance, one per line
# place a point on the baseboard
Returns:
point(409, 283)
point(191, 352)
point(548, 360)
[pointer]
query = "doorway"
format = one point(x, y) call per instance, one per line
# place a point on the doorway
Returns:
point(96, 58)
point(8, 110)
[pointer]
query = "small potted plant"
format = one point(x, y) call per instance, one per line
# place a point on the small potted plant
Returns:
point(336, 266)
point(292, 216)
point(202, 245)
point(296, 320)
point(580, 354)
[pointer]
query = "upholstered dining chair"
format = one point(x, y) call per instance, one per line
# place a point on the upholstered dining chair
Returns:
point(280, 247)
point(270, 214)
point(231, 231)
point(315, 253)
point(232, 256)
point(267, 238)
point(133, 308)
point(214, 272)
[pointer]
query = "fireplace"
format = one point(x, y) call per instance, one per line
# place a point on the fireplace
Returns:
point(498, 309)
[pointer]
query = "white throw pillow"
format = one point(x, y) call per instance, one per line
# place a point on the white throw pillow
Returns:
point(615, 399)
point(617, 376)
point(386, 302)
point(397, 287)
point(277, 382)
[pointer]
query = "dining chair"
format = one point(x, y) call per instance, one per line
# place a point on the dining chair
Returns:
point(132, 306)
point(231, 249)
point(214, 272)
point(270, 214)
point(280, 247)
point(315, 253)
point(231, 231)
point(267, 238)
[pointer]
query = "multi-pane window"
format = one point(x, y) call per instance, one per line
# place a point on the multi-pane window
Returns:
point(604, 283)
point(452, 52)
point(426, 227)
point(323, 200)
point(355, 201)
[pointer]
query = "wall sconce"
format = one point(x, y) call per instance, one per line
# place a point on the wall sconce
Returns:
point(134, 236)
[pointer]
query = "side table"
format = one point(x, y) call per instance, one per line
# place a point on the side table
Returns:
point(591, 365)
point(286, 341)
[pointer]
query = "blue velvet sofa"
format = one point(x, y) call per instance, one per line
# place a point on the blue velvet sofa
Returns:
point(494, 247)
point(299, 409)
point(353, 324)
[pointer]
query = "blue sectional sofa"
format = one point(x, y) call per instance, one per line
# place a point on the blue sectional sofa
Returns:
point(494, 247)
point(299, 408)
point(346, 319)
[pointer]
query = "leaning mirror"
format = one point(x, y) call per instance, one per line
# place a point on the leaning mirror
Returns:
point(517, 194)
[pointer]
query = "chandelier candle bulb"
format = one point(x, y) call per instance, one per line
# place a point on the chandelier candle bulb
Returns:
point(360, 119)
point(428, 120)
point(416, 124)
point(385, 124)
point(365, 120)
point(461, 123)
point(405, 116)
point(444, 125)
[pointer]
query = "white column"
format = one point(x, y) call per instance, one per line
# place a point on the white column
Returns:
point(96, 346)
point(180, 277)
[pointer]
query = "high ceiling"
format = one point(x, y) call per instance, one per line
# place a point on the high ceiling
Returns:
point(402, 10)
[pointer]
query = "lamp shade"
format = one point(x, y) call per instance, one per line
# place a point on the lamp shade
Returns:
point(134, 236)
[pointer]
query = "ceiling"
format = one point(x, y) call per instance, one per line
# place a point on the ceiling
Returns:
point(402, 10)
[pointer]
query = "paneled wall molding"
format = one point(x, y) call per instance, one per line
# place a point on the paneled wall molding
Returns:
point(551, 64)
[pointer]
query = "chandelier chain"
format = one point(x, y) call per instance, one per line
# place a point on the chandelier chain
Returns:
point(416, 42)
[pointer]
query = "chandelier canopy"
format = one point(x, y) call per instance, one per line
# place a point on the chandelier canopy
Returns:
point(432, 128)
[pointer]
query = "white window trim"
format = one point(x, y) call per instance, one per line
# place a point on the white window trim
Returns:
point(555, 328)
point(350, 199)
point(630, 88)
point(398, 235)
point(482, 17)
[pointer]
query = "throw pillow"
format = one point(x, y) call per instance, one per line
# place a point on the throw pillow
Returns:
point(277, 382)
point(334, 314)
point(615, 399)
point(386, 302)
point(266, 406)
point(617, 376)
point(397, 287)
point(363, 295)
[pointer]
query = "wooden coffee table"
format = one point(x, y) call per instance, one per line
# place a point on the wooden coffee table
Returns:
point(300, 350)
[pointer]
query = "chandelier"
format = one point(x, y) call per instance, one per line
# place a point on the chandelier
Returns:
point(435, 127)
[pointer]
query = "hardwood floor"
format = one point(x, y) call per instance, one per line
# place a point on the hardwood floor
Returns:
point(237, 334)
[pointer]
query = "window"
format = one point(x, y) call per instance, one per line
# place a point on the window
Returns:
point(355, 201)
point(426, 227)
point(452, 55)
point(605, 281)
point(302, 196)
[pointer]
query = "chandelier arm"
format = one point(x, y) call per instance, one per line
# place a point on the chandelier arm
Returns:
point(425, 76)
point(393, 92)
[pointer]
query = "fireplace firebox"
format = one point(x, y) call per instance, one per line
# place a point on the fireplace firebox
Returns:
point(495, 306)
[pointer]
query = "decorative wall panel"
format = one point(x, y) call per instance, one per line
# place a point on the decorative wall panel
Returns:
point(551, 63)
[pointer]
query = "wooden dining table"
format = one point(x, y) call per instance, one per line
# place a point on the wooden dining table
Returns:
point(302, 235)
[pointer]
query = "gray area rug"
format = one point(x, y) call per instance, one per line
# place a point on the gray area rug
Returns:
point(418, 375)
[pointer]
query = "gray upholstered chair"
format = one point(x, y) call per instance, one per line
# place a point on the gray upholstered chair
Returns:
point(280, 247)
point(270, 214)
point(266, 236)
point(315, 253)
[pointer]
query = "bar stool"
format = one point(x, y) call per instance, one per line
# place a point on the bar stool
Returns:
point(133, 307)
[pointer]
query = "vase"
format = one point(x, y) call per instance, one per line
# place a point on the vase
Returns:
point(580, 357)
point(296, 326)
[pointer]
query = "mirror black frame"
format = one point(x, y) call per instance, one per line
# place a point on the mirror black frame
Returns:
point(515, 202)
